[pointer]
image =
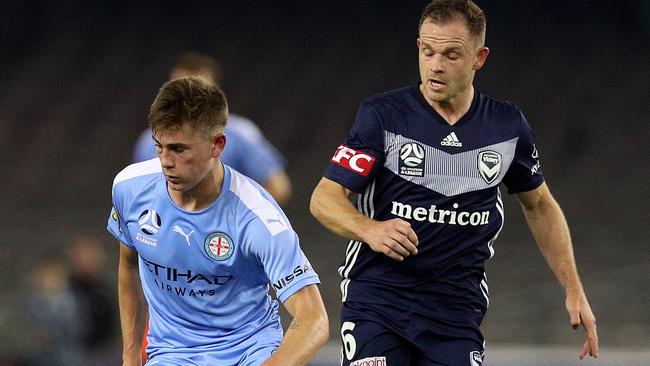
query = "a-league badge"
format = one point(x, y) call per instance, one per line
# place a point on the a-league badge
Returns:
point(489, 165)
point(149, 221)
point(411, 160)
point(219, 246)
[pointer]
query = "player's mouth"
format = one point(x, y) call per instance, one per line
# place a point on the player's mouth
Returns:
point(172, 179)
point(436, 84)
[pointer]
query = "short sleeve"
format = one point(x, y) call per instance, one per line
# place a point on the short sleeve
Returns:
point(356, 162)
point(116, 224)
point(525, 173)
point(253, 160)
point(286, 266)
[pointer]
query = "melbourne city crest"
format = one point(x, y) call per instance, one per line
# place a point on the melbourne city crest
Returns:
point(219, 246)
point(489, 165)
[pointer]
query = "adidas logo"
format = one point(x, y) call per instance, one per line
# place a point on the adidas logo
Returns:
point(451, 140)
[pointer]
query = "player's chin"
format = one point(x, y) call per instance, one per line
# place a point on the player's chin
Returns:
point(438, 97)
point(177, 186)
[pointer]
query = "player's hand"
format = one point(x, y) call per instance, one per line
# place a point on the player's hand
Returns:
point(394, 237)
point(580, 313)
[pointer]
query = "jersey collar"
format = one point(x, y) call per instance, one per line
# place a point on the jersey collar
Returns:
point(415, 91)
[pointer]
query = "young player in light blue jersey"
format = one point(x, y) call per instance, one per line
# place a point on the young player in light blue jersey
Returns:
point(204, 244)
point(248, 152)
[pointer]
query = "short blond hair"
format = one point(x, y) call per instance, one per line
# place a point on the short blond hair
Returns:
point(196, 101)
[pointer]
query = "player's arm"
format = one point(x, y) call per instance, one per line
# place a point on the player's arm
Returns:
point(308, 331)
point(279, 186)
point(330, 204)
point(551, 232)
point(133, 308)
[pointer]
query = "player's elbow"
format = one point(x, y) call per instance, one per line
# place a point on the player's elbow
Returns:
point(315, 204)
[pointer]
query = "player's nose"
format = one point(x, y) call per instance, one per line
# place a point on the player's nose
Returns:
point(165, 159)
point(436, 64)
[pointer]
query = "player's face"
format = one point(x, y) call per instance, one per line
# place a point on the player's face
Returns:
point(187, 157)
point(448, 58)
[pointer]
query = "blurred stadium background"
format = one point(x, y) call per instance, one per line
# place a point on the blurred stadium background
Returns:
point(78, 79)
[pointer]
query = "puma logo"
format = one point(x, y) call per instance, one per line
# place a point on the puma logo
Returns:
point(277, 220)
point(177, 229)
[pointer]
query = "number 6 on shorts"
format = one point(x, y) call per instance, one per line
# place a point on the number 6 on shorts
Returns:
point(349, 343)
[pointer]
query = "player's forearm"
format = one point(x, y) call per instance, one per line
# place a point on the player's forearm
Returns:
point(551, 232)
point(133, 312)
point(334, 210)
point(305, 336)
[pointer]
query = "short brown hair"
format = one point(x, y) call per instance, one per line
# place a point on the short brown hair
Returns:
point(443, 11)
point(196, 101)
point(197, 63)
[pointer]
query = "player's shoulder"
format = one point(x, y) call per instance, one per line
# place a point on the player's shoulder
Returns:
point(389, 107)
point(391, 97)
point(499, 107)
point(138, 175)
point(255, 206)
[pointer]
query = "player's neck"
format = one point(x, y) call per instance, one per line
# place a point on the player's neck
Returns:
point(203, 194)
point(452, 111)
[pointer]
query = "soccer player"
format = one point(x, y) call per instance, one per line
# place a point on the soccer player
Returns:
point(248, 152)
point(427, 162)
point(203, 243)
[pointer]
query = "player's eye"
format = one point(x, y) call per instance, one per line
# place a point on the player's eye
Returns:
point(453, 55)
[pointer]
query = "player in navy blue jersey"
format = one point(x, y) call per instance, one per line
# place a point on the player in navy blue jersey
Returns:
point(205, 244)
point(427, 162)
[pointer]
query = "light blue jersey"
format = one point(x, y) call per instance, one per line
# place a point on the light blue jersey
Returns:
point(206, 274)
point(247, 151)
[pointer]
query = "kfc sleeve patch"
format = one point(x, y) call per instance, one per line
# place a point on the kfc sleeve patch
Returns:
point(356, 161)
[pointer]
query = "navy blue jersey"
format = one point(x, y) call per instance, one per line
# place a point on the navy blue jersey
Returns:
point(406, 161)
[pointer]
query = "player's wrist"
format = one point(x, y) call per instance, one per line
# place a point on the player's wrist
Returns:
point(131, 355)
point(363, 229)
point(573, 290)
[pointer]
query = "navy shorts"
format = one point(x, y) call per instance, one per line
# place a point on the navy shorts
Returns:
point(377, 335)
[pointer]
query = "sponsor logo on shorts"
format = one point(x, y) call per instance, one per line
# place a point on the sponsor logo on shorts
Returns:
point(370, 361)
point(475, 358)
point(356, 161)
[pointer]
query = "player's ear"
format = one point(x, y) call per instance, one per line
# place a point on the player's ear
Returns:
point(218, 144)
point(481, 56)
point(417, 43)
